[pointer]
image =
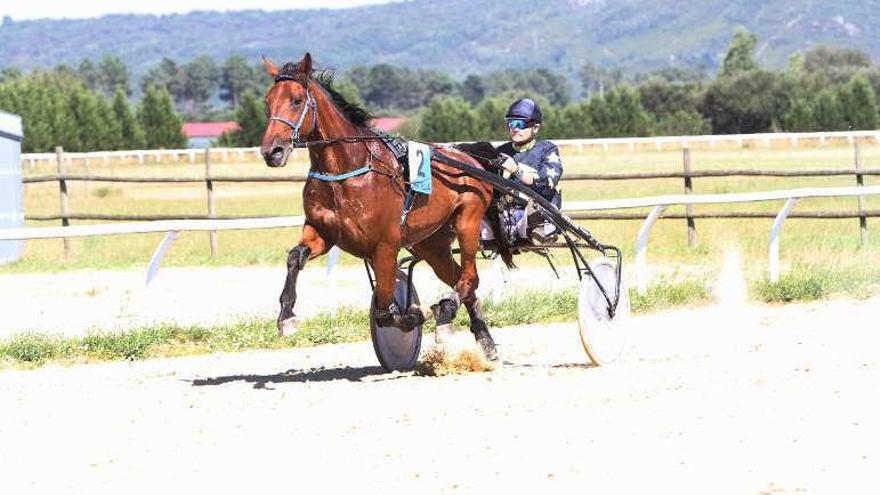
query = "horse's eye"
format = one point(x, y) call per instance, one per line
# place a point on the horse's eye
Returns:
point(297, 101)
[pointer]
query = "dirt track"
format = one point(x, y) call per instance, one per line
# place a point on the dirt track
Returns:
point(774, 400)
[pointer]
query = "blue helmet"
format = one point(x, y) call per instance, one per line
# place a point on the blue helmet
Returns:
point(525, 108)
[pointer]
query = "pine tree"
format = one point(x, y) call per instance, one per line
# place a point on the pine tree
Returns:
point(741, 54)
point(827, 111)
point(235, 78)
point(858, 104)
point(162, 126)
point(251, 123)
point(131, 133)
point(490, 120)
point(800, 116)
point(448, 118)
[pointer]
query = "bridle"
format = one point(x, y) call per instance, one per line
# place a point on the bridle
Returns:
point(296, 127)
point(311, 104)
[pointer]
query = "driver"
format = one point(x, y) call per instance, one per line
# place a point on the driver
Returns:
point(533, 162)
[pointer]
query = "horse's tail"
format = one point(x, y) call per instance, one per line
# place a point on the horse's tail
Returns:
point(502, 247)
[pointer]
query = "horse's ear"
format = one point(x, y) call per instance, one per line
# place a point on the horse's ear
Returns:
point(270, 66)
point(305, 65)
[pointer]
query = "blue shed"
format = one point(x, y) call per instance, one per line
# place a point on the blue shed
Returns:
point(11, 206)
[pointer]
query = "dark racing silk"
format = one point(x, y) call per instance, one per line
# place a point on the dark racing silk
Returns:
point(543, 156)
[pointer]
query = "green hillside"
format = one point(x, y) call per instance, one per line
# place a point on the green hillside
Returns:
point(457, 36)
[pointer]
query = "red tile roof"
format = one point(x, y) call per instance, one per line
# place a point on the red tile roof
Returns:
point(208, 129)
point(388, 124)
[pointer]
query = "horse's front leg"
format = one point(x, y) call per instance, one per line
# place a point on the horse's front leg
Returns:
point(388, 314)
point(311, 245)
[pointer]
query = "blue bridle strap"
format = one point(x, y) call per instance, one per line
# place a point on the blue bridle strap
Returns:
point(337, 178)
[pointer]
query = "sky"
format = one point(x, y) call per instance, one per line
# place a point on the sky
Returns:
point(55, 9)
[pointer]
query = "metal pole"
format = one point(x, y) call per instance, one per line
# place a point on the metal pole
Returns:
point(641, 248)
point(211, 209)
point(62, 189)
point(860, 181)
point(774, 237)
point(689, 189)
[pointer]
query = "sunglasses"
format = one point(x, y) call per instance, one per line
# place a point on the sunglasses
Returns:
point(518, 124)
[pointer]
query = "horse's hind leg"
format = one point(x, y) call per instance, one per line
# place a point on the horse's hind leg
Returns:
point(437, 252)
point(467, 225)
point(310, 246)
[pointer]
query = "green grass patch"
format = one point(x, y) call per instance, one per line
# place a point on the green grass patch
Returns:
point(666, 294)
point(797, 285)
point(34, 348)
point(810, 282)
point(344, 325)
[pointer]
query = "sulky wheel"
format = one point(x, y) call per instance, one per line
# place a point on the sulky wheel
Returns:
point(396, 349)
point(604, 338)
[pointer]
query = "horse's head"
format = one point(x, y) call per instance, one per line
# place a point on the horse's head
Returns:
point(291, 109)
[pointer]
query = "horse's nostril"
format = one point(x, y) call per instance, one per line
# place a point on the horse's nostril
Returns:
point(278, 150)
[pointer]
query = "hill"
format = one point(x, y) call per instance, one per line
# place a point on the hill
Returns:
point(457, 36)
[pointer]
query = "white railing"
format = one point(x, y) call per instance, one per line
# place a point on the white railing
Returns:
point(793, 139)
point(658, 204)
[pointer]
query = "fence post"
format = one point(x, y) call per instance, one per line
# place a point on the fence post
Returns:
point(62, 190)
point(689, 189)
point(211, 211)
point(860, 181)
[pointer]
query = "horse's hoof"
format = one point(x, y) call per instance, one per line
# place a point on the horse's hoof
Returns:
point(384, 318)
point(444, 333)
point(288, 326)
point(417, 313)
point(490, 350)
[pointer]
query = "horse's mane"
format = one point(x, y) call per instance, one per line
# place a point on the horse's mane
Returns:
point(357, 114)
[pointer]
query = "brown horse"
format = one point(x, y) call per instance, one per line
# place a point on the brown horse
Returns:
point(362, 213)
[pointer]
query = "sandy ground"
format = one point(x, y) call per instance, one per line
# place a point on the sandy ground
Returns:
point(713, 400)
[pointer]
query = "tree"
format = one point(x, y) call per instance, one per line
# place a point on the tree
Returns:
point(618, 114)
point(162, 126)
point(236, 76)
point(858, 104)
point(89, 73)
point(828, 66)
point(251, 119)
point(131, 134)
point(490, 119)
point(200, 77)
point(473, 89)
point(742, 103)
point(389, 87)
point(166, 75)
point(741, 54)
point(96, 125)
point(448, 118)
point(827, 111)
point(681, 123)
point(821, 58)
point(554, 87)
point(9, 73)
point(113, 75)
point(800, 115)
point(348, 90)
point(596, 80)
point(660, 97)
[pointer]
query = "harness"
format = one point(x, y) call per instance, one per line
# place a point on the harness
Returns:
point(397, 146)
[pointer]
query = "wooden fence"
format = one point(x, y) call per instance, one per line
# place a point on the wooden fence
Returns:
point(719, 141)
point(687, 175)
